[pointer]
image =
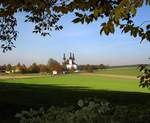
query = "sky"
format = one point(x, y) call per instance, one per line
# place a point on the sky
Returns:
point(84, 41)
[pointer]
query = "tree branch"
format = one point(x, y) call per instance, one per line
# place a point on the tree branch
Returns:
point(144, 23)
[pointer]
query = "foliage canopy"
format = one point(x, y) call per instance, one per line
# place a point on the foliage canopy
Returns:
point(45, 14)
point(145, 76)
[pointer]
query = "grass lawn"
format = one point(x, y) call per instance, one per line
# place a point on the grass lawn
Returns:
point(22, 94)
point(84, 81)
point(131, 71)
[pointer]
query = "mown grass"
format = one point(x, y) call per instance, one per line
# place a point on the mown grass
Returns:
point(64, 90)
point(132, 71)
point(85, 81)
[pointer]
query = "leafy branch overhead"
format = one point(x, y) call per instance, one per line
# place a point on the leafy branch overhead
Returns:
point(45, 14)
point(145, 76)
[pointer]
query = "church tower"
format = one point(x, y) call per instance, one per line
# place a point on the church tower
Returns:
point(73, 58)
point(70, 59)
point(64, 57)
point(69, 63)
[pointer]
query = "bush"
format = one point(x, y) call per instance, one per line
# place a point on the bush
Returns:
point(86, 111)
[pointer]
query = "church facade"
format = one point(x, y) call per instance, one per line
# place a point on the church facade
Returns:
point(70, 62)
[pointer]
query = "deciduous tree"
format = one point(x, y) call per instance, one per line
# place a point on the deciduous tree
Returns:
point(88, 68)
point(8, 67)
point(34, 68)
point(45, 14)
point(54, 65)
point(145, 76)
point(43, 68)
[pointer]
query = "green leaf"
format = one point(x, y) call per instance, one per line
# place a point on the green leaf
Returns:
point(80, 103)
point(97, 12)
point(77, 20)
point(78, 14)
point(103, 24)
point(134, 33)
point(48, 11)
point(148, 27)
point(126, 29)
point(101, 31)
point(143, 37)
point(106, 30)
point(133, 11)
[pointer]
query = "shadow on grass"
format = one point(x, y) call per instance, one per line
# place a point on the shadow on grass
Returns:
point(17, 97)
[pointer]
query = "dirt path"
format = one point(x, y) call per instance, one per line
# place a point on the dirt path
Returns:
point(111, 75)
point(17, 76)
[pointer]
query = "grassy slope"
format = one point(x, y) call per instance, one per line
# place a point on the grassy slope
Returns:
point(21, 94)
point(133, 71)
point(90, 82)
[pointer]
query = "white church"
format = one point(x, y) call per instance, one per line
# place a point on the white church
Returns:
point(70, 62)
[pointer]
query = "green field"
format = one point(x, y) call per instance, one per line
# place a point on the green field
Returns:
point(93, 82)
point(133, 71)
point(36, 91)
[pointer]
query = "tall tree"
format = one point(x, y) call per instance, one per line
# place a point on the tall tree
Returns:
point(18, 65)
point(2, 68)
point(9, 67)
point(43, 68)
point(54, 65)
point(45, 14)
point(23, 69)
point(88, 68)
point(102, 66)
point(34, 68)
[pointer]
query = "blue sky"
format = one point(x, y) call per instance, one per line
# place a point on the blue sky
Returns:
point(84, 41)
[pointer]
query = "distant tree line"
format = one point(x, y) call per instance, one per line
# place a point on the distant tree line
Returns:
point(121, 66)
point(51, 66)
point(33, 68)
point(92, 68)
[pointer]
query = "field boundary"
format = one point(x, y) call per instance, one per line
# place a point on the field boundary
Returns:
point(3, 77)
point(111, 76)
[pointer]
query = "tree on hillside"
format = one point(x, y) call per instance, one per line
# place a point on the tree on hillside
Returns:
point(2, 68)
point(9, 68)
point(23, 69)
point(88, 68)
point(45, 14)
point(102, 66)
point(52, 61)
point(18, 65)
point(54, 65)
point(34, 68)
point(18, 68)
point(43, 68)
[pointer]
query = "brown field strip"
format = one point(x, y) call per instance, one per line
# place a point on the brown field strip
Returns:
point(111, 75)
point(18, 76)
point(2, 77)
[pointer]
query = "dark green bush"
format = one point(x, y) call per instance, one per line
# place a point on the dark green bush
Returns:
point(87, 111)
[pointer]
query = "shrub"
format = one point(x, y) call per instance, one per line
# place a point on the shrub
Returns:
point(86, 111)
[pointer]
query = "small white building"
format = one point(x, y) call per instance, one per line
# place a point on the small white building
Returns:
point(54, 72)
